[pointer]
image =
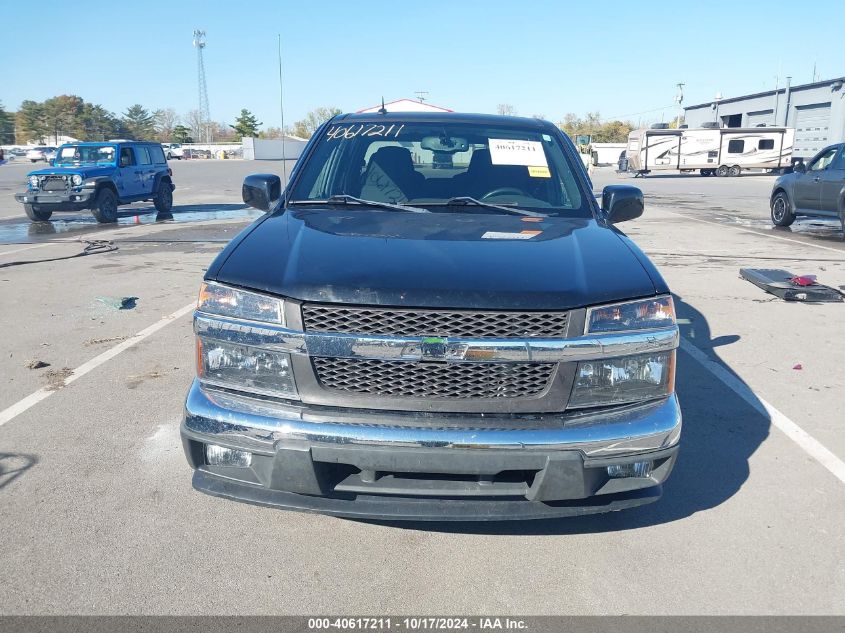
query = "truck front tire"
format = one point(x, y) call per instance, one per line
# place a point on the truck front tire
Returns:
point(105, 206)
point(35, 214)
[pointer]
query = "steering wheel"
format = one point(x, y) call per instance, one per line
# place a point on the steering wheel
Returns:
point(502, 191)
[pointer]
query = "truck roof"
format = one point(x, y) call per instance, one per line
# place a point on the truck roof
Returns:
point(445, 117)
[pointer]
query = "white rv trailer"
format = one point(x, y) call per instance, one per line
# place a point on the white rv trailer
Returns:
point(712, 151)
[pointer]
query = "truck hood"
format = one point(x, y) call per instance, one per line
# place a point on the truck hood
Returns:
point(86, 171)
point(438, 260)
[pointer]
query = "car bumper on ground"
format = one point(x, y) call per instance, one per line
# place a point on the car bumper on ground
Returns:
point(57, 201)
point(393, 465)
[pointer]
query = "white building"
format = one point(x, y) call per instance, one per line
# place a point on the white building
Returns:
point(816, 111)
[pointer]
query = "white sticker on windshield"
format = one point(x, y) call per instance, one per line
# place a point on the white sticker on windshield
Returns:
point(68, 152)
point(512, 152)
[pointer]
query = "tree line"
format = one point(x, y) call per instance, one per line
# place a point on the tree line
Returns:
point(72, 116)
point(592, 125)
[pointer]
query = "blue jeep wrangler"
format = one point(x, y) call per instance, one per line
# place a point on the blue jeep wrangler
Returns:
point(99, 176)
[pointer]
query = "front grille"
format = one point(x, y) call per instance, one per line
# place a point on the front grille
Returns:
point(407, 379)
point(447, 323)
point(53, 183)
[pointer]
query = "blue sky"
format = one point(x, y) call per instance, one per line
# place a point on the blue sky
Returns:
point(543, 57)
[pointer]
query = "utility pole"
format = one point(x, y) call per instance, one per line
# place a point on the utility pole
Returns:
point(205, 117)
point(777, 96)
point(680, 99)
point(716, 101)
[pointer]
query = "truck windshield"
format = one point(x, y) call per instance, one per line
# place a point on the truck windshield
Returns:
point(85, 155)
point(440, 165)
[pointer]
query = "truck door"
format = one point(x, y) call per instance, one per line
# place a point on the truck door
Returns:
point(808, 188)
point(833, 183)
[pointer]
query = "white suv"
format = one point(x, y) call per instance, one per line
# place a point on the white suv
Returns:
point(172, 150)
point(41, 153)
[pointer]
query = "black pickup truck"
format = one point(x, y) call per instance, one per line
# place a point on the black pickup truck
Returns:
point(409, 336)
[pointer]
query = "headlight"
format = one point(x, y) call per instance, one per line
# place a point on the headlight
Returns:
point(227, 301)
point(76, 179)
point(633, 315)
point(33, 182)
point(620, 380)
point(245, 368)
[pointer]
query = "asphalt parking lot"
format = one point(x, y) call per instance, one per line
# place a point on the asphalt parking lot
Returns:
point(98, 515)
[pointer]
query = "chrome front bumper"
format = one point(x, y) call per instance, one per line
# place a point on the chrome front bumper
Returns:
point(330, 460)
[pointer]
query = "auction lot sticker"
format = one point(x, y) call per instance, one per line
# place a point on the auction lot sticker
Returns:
point(513, 152)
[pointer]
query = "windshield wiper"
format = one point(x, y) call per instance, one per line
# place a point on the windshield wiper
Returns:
point(466, 200)
point(346, 199)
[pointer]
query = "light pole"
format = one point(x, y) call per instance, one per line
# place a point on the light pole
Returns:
point(716, 101)
point(680, 99)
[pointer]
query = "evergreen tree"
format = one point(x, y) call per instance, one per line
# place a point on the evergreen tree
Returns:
point(139, 123)
point(182, 134)
point(246, 125)
point(7, 127)
point(30, 121)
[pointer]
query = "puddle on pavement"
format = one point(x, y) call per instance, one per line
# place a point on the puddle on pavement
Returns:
point(827, 230)
point(17, 231)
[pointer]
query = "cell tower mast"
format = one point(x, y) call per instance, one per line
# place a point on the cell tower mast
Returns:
point(205, 117)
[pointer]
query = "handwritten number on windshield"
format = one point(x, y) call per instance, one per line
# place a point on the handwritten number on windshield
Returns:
point(351, 131)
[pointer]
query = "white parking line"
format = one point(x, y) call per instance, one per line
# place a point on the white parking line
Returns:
point(37, 396)
point(26, 248)
point(807, 442)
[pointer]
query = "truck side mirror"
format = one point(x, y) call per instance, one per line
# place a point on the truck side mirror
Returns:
point(799, 167)
point(261, 191)
point(621, 203)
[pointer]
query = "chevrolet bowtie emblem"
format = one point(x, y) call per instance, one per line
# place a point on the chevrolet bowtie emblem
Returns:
point(434, 349)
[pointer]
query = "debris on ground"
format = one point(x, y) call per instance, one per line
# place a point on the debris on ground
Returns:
point(111, 339)
point(36, 364)
point(56, 377)
point(798, 366)
point(118, 303)
point(790, 287)
point(132, 382)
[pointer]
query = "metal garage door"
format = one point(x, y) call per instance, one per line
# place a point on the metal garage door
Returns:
point(811, 129)
point(753, 119)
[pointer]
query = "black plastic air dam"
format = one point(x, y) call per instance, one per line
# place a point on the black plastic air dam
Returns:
point(391, 508)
